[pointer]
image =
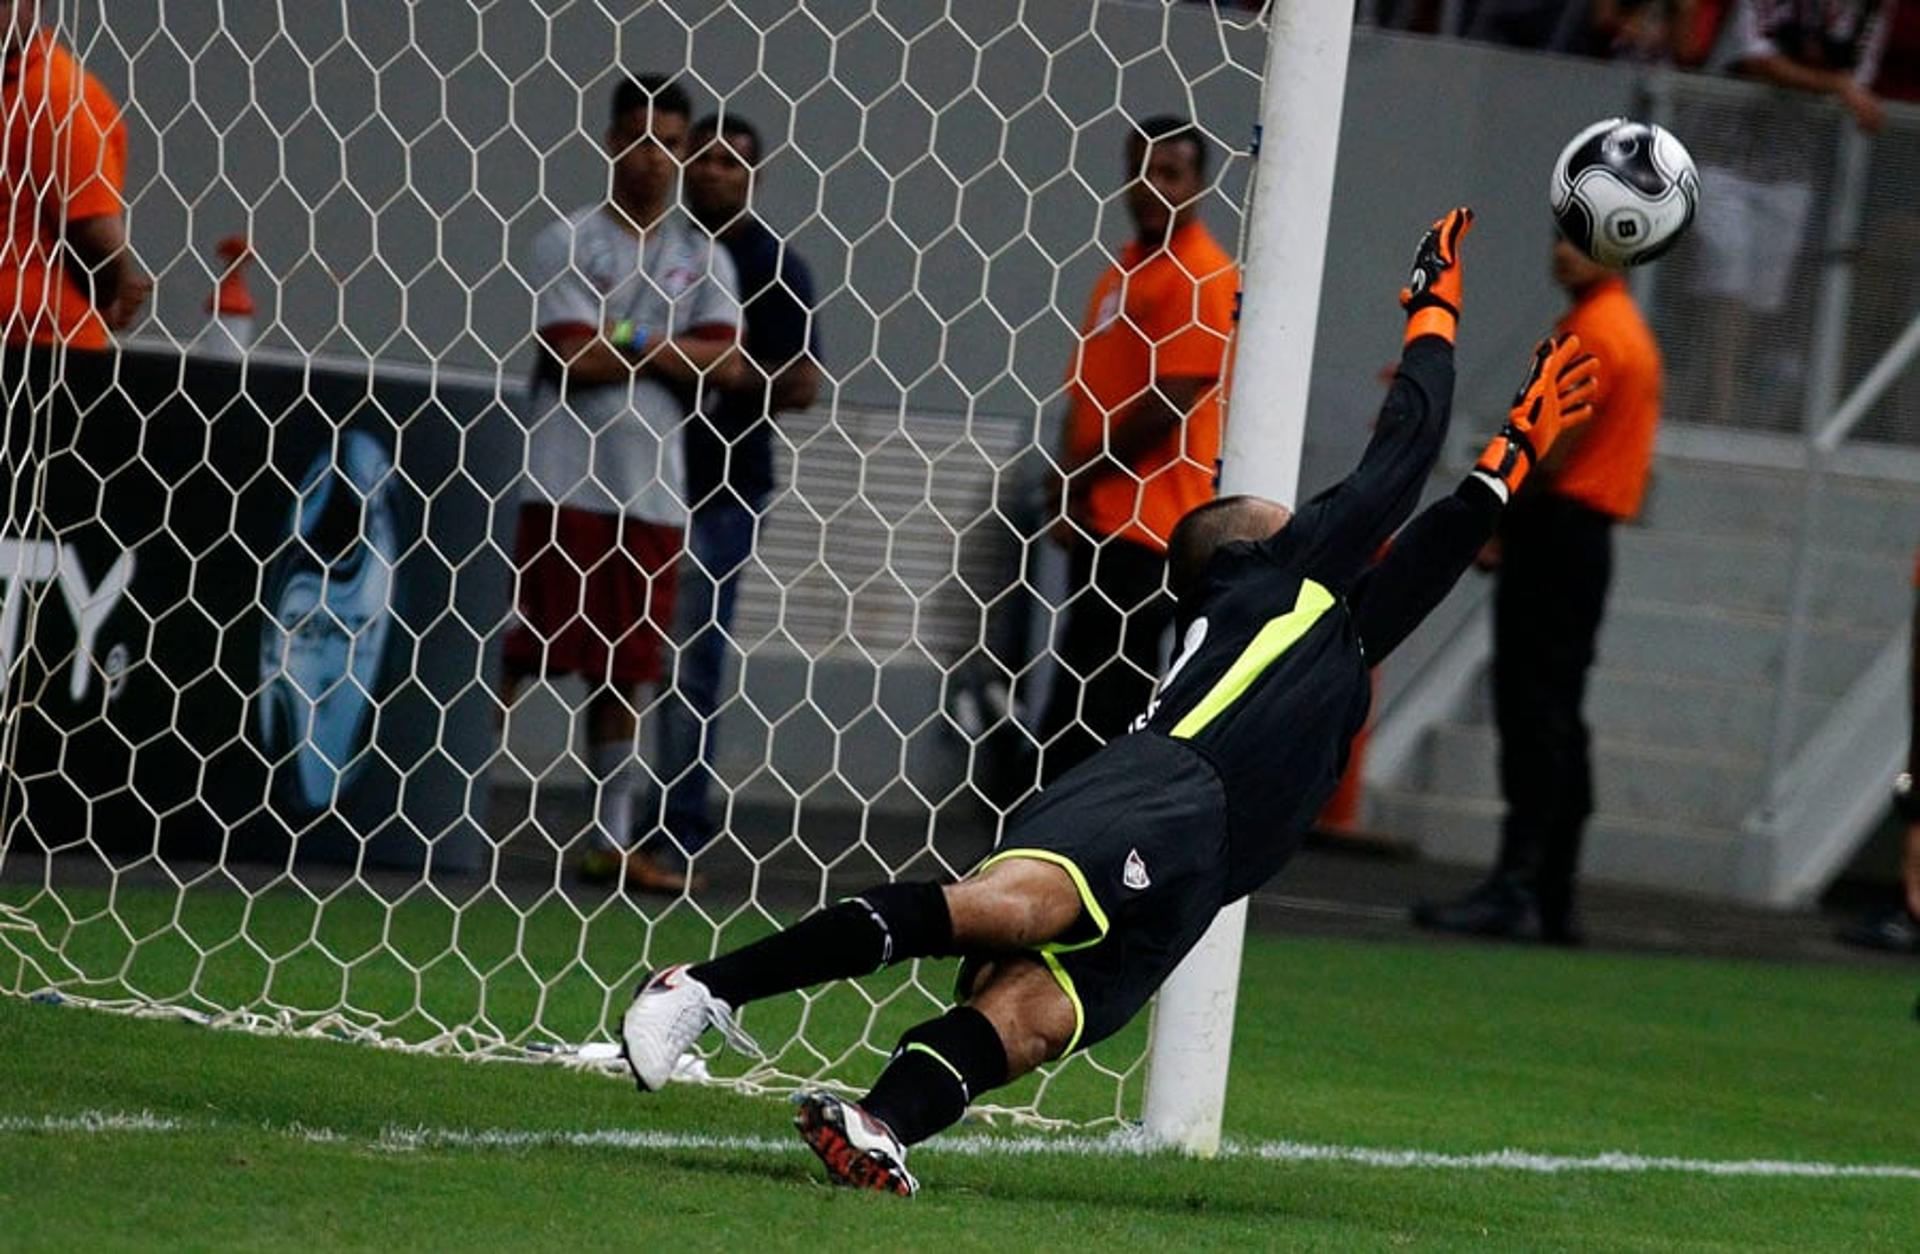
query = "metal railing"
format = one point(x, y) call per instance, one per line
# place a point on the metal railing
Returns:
point(1822, 436)
point(1824, 439)
point(1820, 797)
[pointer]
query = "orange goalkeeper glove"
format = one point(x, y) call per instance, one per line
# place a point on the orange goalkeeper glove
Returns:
point(1432, 294)
point(1558, 392)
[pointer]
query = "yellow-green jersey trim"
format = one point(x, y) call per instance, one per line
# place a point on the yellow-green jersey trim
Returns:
point(1087, 900)
point(1274, 639)
point(1049, 956)
point(1050, 952)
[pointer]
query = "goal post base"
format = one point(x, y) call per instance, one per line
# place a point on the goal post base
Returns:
point(1193, 1037)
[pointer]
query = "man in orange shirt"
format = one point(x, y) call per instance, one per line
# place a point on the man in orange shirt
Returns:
point(67, 276)
point(1554, 555)
point(1142, 438)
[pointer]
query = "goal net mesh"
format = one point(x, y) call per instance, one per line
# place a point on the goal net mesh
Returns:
point(257, 769)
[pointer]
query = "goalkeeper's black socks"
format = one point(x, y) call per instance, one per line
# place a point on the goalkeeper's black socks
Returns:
point(936, 1070)
point(858, 936)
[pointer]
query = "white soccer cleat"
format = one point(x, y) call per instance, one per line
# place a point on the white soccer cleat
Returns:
point(859, 1151)
point(671, 1011)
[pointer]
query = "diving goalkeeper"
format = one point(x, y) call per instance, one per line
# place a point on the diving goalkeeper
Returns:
point(1108, 877)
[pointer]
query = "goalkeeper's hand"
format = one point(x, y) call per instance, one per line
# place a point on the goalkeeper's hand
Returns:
point(1557, 393)
point(1432, 294)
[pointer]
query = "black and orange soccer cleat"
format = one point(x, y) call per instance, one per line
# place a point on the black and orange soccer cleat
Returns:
point(859, 1151)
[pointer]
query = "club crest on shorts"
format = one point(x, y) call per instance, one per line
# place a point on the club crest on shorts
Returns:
point(1135, 874)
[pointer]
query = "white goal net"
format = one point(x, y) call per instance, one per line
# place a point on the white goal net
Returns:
point(253, 604)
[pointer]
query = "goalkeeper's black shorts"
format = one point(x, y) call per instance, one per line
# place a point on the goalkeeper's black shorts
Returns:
point(1141, 826)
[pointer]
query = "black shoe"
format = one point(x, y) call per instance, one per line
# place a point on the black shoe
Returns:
point(1498, 907)
point(1892, 930)
point(1554, 910)
point(1561, 930)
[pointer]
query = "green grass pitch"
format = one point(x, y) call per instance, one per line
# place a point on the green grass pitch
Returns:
point(224, 1139)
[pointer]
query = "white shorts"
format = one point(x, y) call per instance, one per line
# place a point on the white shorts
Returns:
point(1750, 234)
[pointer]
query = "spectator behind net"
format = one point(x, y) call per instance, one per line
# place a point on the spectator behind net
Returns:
point(635, 310)
point(1142, 439)
point(730, 472)
point(69, 277)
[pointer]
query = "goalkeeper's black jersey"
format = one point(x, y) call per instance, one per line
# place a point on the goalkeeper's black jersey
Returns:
point(1270, 680)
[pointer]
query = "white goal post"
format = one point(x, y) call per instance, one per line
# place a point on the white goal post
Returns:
point(1303, 91)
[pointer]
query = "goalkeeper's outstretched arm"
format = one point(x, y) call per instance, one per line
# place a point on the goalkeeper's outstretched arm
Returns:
point(1427, 559)
point(1436, 548)
point(1336, 534)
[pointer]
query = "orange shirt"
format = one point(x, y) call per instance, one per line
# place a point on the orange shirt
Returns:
point(66, 159)
point(1164, 314)
point(1606, 467)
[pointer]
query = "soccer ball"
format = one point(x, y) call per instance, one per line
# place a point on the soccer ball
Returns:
point(1623, 192)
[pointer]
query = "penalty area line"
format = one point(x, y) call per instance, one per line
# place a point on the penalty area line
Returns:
point(1126, 1144)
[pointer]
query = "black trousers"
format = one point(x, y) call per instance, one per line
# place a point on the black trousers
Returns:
point(1556, 562)
point(1109, 650)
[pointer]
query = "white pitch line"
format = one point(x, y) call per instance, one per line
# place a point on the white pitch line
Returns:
point(1555, 1164)
point(1113, 1145)
point(90, 1121)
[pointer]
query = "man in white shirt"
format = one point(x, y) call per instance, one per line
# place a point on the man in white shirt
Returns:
point(636, 314)
point(1759, 165)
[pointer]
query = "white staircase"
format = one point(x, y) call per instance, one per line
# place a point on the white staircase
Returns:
point(1681, 699)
